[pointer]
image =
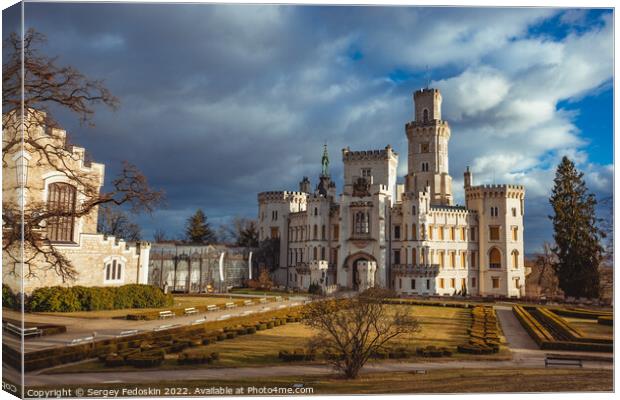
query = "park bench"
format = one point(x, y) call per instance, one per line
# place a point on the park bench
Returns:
point(248, 302)
point(76, 341)
point(212, 307)
point(562, 361)
point(190, 311)
point(34, 331)
point(278, 298)
point(262, 300)
point(128, 333)
point(164, 327)
point(231, 305)
point(166, 314)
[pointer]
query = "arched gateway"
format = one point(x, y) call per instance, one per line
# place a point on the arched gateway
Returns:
point(362, 269)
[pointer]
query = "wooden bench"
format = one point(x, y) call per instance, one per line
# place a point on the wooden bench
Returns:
point(34, 331)
point(73, 342)
point(166, 314)
point(248, 302)
point(231, 305)
point(563, 361)
point(190, 311)
point(212, 307)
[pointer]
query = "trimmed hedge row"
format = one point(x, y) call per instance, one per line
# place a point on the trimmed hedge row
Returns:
point(197, 357)
point(483, 333)
point(63, 355)
point(542, 325)
point(580, 313)
point(605, 320)
point(297, 355)
point(412, 302)
point(80, 298)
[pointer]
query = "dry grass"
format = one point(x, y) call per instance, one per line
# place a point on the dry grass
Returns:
point(591, 328)
point(434, 381)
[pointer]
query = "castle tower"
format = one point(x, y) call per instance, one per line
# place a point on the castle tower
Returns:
point(428, 137)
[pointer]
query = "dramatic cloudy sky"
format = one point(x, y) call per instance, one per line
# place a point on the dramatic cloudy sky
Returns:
point(222, 102)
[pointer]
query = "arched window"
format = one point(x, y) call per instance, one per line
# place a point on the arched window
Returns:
point(515, 259)
point(425, 115)
point(61, 203)
point(314, 232)
point(323, 232)
point(113, 271)
point(413, 210)
point(495, 258)
point(361, 225)
point(314, 253)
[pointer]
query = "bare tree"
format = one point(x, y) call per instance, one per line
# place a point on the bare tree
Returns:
point(351, 330)
point(542, 276)
point(34, 131)
point(115, 222)
point(242, 231)
point(159, 235)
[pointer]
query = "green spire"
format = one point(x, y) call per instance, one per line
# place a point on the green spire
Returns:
point(325, 162)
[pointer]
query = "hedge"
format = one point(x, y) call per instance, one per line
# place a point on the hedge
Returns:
point(183, 337)
point(605, 320)
point(197, 357)
point(483, 332)
point(80, 298)
point(580, 313)
point(296, 355)
point(550, 333)
point(9, 298)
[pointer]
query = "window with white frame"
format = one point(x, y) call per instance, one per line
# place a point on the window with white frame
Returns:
point(113, 270)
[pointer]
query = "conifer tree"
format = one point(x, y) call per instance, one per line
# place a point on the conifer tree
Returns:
point(576, 235)
point(198, 229)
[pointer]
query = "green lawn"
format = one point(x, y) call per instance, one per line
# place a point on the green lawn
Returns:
point(591, 328)
point(179, 302)
point(433, 381)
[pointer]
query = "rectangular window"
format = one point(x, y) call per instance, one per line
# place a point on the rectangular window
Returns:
point(463, 257)
point(452, 233)
point(514, 212)
point(515, 233)
point(323, 237)
point(414, 232)
point(366, 172)
point(463, 283)
point(397, 232)
point(441, 285)
point(413, 284)
point(493, 232)
point(424, 148)
point(495, 282)
point(473, 282)
point(336, 232)
point(428, 284)
point(452, 283)
point(396, 256)
point(441, 259)
point(440, 232)
point(472, 260)
point(400, 283)
point(452, 260)
point(472, 233)
point(517, 283)
point(462, 233)
point(430, 232)
point(274, 232)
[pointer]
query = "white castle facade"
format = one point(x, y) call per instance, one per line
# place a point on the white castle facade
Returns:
point(409, 237)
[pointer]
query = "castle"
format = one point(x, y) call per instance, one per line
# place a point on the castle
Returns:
point(45, 173)
point(409, 237)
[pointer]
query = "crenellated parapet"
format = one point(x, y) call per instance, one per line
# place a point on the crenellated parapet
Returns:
point(368, 155)
point(281, 196)
point(487, 191)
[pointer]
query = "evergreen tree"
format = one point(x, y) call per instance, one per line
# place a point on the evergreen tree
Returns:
point(198, 229)
point(577, 238)
point(248, 235)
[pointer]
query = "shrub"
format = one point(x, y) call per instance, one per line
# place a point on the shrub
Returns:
point(80, 298)
point(197, 357)
point(270, 324)
point(148, 359)
point(261, 327)
point(250, 329)
point(297, 355)
point(10, 299)
point(114, 360)
point(231, 335)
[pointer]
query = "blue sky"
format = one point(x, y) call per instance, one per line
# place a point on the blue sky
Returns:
point(221, 102)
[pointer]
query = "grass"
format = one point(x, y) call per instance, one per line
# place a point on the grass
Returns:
point(179, 302)
point(591, 328)
point(433, 381)
point(439, 326)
